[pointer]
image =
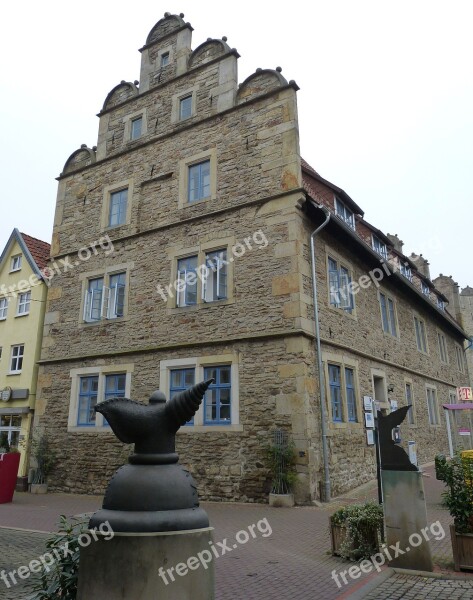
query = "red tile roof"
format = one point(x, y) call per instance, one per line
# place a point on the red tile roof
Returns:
point(40, 251)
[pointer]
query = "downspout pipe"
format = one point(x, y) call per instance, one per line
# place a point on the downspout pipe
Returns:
point(323, 412)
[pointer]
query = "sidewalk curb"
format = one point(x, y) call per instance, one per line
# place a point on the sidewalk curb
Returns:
point(433, 575)
point(26, 530)
point(371, 585)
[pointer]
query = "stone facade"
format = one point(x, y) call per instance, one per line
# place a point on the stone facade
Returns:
point(259, 204)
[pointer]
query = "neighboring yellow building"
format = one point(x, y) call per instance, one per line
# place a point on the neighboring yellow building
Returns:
point(23, 293)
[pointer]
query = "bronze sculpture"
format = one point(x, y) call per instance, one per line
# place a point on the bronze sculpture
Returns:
point(152, 493)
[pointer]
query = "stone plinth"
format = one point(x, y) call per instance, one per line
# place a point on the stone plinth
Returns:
point(166, 565)
point(405, 519)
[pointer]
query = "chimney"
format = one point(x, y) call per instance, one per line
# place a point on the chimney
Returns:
point(450, 288)
point(395, 241)
point(421, 263)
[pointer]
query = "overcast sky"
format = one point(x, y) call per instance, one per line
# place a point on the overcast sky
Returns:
point(385, 100)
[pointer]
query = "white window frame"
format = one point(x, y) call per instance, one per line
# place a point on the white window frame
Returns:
point(425, 288)
point(4, 302)
point(15, 263)
point(199, 363)
point(440, 303)
point(184, 166)
point(20, 355)
point(108, 295)
point(379, 247)
point(433, 413)
point(406, 271)
point(101, 372)
point(24, 301)
point(344, 213)
point(106, 202)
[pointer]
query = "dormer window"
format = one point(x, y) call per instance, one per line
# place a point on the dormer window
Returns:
point(344, 213)
point(406, 271)
point(15, 264)
point(425, 289)
point(379, 247)
point(440, 303)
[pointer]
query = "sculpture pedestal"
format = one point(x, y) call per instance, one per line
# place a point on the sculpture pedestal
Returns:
point(405, 517)
point(148, 566)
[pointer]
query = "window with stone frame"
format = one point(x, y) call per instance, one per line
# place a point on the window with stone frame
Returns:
point(442, 342)
point(432, 406)
point(388, 314)
point(339, 278)
point(118, 208)
point(220, 407)
point(410, 401)
point(199, 181)
point(460, 358)
point(421, 336)
point(105, 297)
point(342, 393)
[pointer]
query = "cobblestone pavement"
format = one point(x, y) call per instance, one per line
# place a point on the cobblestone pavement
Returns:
point(17, 548)
point(293, 563)
point(407, 587)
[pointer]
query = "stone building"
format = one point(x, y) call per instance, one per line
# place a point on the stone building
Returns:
point(22, 306)
point(188, 227)
point(461, 306)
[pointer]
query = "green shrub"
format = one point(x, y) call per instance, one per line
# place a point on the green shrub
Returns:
point(363, 525)
point(458, 498)
point(60, 581)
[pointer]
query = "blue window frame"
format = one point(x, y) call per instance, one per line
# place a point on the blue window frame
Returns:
point(115, 386)
point(351, 395)
point(217, 401)
point(181, 380)
point(341, 295)
point(118, 204)
point(88, 390)
point(199, 181)
point(186, 273)
point(185, 107)
point(335, 392)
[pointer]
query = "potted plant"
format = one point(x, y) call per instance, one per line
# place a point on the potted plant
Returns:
point(281, 458)
point(9, 464)
point(45, 459)
point(356, 530)
point(458, 477)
